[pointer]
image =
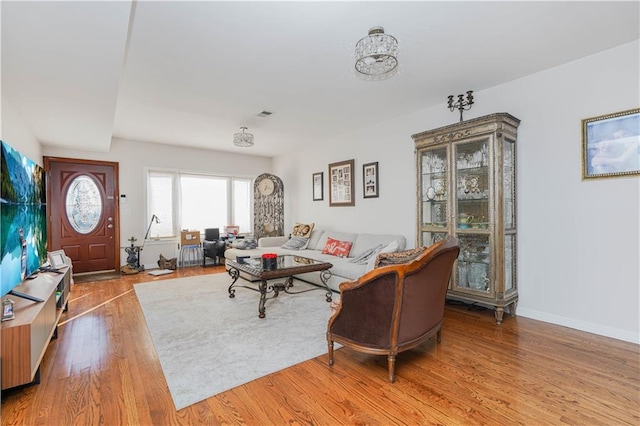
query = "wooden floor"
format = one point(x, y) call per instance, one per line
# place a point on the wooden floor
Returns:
point(103, 369)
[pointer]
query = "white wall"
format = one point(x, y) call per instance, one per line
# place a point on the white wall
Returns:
point(578, 242)
point(135, 158)
point(15, 131)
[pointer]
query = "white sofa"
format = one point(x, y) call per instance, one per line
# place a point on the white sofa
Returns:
point(344, 268)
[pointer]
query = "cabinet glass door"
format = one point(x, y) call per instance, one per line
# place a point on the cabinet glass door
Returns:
point(472, 184)
point(472, 194)
point(435, 191)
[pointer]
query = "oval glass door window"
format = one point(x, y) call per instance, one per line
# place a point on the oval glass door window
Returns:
point(83, 204)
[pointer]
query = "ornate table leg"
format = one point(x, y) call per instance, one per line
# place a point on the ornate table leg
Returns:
point(263, 298)
point(324, 277)
point(235, 274)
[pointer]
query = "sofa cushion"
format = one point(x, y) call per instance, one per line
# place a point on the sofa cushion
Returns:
point(337, 248)
point(364, 242)
point(343, 268)
point(406, 256)
point(314, 239)
point(296, 243)
point(340, 236)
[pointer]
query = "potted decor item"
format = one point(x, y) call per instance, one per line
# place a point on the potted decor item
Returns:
point(269, 261)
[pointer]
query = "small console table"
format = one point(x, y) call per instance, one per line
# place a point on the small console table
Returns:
point(25, 338)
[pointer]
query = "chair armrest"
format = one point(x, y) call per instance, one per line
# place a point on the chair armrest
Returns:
point(272, 241)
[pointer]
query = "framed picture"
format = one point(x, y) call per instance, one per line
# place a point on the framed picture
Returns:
point(57, 259)
point(370, 180)
point(341, 184)
point(611, 145)
point(7, 309)
point(318, 190)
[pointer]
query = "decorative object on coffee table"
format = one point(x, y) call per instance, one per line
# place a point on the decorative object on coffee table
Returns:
point(269, 261)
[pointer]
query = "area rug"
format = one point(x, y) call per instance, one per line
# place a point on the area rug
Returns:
point(208, 343)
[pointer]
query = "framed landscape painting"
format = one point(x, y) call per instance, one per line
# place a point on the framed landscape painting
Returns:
point(611, 145)
point(341, 184)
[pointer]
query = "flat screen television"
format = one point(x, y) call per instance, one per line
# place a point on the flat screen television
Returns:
point(23, 230)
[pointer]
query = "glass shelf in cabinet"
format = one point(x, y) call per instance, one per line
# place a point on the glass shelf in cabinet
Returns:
point(435, 174)
point(474, 170)
point(439, 225)
point(468, 198)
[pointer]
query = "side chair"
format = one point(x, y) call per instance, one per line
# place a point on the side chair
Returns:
point(212, 247)
point(394, 308)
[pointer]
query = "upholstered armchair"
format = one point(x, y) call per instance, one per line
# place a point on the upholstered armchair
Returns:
point(394, 308)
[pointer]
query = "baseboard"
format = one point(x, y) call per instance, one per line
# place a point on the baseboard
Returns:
point(589, 327)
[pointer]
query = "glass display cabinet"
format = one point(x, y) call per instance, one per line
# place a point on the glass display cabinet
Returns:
point(466, 176)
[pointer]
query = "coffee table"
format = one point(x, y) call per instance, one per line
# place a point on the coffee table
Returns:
point(286, 267)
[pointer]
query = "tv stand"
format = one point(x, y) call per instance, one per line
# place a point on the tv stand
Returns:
point(26, 337)
point(25, 295)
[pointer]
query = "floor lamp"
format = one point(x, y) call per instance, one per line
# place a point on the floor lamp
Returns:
point(133, 260)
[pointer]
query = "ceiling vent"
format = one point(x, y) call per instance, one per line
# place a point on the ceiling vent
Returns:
point(265, 114)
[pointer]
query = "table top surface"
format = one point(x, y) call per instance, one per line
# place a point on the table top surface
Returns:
point(286, 265)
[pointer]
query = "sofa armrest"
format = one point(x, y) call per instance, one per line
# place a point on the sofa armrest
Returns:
point(272, 241)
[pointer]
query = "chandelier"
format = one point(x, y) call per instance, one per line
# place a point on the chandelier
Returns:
point(243, 139)
point(376, 54)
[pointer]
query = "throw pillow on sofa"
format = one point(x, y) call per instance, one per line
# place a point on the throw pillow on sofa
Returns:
point(406, 256)
point(337, 248)
point(364, 258)
point(296, 243)
point(302, 230)
point(299, 236)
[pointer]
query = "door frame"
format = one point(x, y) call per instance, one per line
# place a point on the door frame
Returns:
point(116, 188)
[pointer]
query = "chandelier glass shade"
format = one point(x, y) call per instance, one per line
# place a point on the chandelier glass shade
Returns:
point(243, 139)
point(377, 53)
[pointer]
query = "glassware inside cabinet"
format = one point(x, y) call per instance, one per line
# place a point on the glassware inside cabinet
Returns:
point(434, 188)
point(473, 263)
point(434, 214)
point(430, 238)
point(472, 184)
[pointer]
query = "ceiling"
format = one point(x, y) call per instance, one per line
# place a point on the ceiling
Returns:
point(192, 73)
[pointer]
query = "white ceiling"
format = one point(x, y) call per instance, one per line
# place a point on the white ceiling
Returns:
point(192, 73)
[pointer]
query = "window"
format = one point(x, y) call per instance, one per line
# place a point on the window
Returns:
point(197, 201)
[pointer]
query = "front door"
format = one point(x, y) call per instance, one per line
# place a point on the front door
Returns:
point(82, 206)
